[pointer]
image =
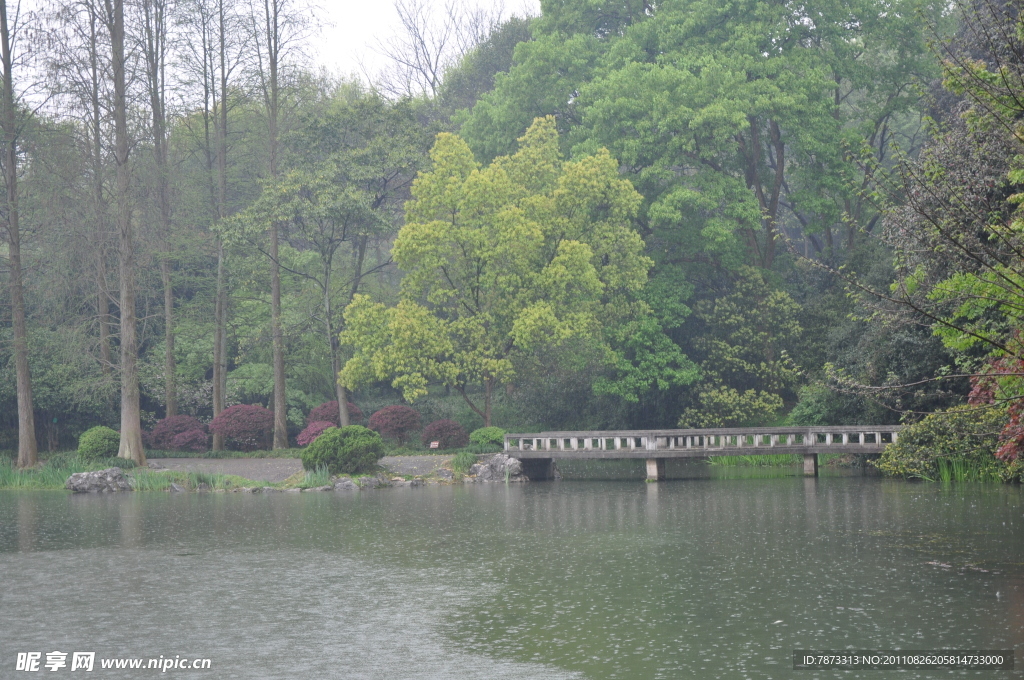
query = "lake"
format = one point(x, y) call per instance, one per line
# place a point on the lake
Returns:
point(720, 575)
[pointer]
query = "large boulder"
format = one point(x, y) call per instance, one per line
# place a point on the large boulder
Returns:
point(111, 479)
point(494, 469)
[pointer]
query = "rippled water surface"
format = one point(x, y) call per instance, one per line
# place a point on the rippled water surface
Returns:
point(698, 578)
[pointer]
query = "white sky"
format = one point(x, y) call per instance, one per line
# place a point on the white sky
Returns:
point(353, 27)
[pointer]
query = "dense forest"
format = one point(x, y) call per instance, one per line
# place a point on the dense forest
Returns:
point(615, 214)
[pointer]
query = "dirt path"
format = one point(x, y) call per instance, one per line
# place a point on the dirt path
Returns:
point(279, 469)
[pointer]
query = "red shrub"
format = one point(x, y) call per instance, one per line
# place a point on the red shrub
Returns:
point(396, 422)
point(312, 431)
point(448, 433)
point(247, 427)
point(162, 436)
point(328, 411)
point(193, 440)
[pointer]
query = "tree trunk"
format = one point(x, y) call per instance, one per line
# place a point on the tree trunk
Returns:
point(99, 203)
point(219, 346)
point(170, 383)
point(27, 448)
point(131, 427)
point(155, 28)
point(280, 400)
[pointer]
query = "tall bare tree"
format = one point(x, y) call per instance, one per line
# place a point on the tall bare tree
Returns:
point(278, 27)
point(79, 74)
point(155, 35)
point(429, 41)
point(27, 450)
point(211, 59)
point(131, 425)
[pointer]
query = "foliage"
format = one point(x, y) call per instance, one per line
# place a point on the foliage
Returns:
point(488, 435)
point(98, 442)
point(746, 368)
point(313, 430)
point(328, 411)
point(528, 252)
point(162, 436)
point(462, 461)
point(396, 422)
point(246, 426)
point(346, 450)
point(731, 118)
point(191, 440)
point(448, 433)
point(967, 433)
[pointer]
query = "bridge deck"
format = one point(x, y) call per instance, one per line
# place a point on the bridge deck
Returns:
point(734, 441)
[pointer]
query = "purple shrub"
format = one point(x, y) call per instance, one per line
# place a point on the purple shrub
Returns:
point(396, 422)
point(247, 427)
point(328, 411)
point(162, 436)
point(192, 440)
point(312, 431)
point(448, 433)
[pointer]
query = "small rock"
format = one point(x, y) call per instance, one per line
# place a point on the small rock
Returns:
point(345, 484)
point(401, 483)
point(326, 487)
point(175, 488)
point(476, 468)
point(109, 480)
point(296, 490)
point(416, 482)
point(444, 473)
point(155, 466)
point(397, 479)
point(203, 487)
point(369, 483)
point(268, 489)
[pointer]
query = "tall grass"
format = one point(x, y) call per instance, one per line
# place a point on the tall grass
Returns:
point(462, 461)
point(38, 478)
point(964, 470)
point(315, 478)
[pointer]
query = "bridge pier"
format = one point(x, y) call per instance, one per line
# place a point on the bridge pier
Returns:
point(538, 469)
point(811, 464)
point(655, 469)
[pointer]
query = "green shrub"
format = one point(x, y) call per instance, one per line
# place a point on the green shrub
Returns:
point(464, 460)
point(967, 434)
point(98, 442)
point(344, 450)
point(488, 435)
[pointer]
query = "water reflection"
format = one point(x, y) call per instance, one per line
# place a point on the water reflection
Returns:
point(698, 578)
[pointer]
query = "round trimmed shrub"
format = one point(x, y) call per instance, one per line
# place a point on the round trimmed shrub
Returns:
point(312, 431)
point(396, 422)
point(192, 440)
point(162, 436)
point(98, 442)
point(247, 427)
point(488, 436)
point(448, 433)
point(344, 450)
point(328, 412)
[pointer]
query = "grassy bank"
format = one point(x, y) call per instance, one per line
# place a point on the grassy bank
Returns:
point(54, 476)
point(769, 460)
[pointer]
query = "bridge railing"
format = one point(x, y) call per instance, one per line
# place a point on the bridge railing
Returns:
point(712, 440)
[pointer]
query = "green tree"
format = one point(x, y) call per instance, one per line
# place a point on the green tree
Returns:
point(746, 367)
point(529, 251)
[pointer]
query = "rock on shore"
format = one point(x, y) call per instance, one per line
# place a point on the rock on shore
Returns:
point(109, 480)
point(494, 469)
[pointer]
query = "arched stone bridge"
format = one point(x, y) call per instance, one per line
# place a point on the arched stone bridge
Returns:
point(539, 450)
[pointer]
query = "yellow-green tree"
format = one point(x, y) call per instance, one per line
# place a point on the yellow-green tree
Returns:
point(529, 251)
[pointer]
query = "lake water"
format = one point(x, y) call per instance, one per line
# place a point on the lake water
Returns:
point(717, 576)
